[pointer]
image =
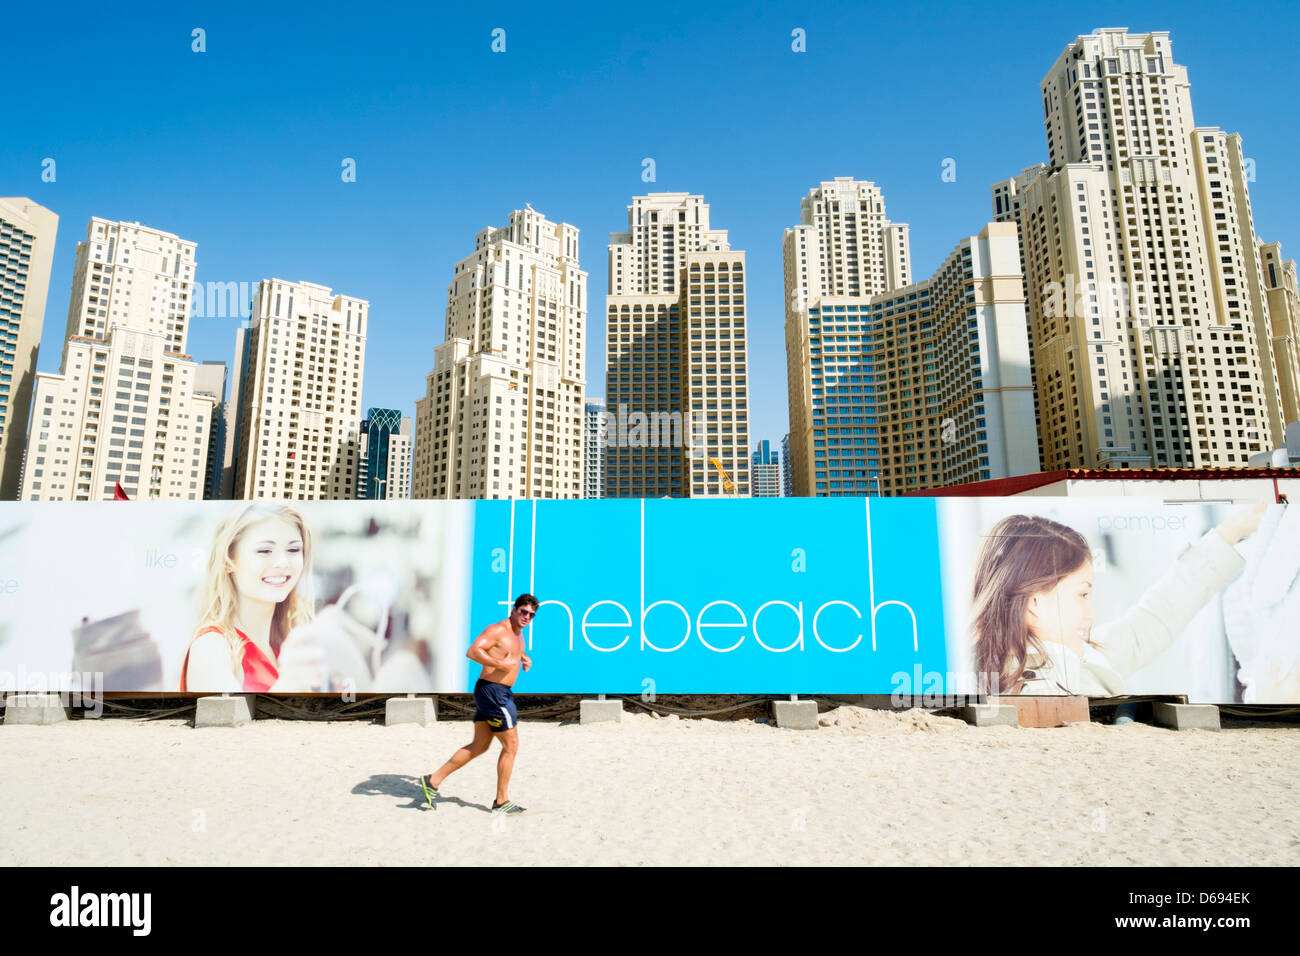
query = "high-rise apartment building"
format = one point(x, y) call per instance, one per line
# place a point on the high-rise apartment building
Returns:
point(230, 413)
point(400, 447)
point(844, 244)
point(1006, 208)
point(765, 471)
point(846, 247)
point(210, 380)
point(677, 394)
point(1284, 318)
point(1150, 325)
point(296, 393)
point(593, 449)
point(124, 408)
point(385, 465)
point(502, 413)
point(27, 232)
point(923, 386)
point(787, 480)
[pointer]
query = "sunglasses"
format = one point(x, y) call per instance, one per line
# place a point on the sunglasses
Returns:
point(524, 610)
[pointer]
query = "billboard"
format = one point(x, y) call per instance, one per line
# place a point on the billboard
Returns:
point(203, 596)
point(920, 598)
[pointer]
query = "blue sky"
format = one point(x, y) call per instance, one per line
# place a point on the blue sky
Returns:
point(239, 148)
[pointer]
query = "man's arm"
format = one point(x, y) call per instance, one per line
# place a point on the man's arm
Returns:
point(490, 641)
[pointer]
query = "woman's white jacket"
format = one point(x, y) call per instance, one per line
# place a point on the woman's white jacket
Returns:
point(1146, 631)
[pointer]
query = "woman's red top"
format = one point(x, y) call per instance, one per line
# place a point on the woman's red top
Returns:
point(259, 671)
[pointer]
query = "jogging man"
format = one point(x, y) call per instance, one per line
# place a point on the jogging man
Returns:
point(500, 651)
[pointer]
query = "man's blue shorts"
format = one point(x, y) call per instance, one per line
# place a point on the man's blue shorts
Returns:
point(495, 703)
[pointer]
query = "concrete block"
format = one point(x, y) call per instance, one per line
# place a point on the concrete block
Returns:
point(600, 711)
point(233, 711)
point(1047, 711)
point(1187, 716)
point(34, 709)
point(990, 715)
point(795, 714)
point(410, 710)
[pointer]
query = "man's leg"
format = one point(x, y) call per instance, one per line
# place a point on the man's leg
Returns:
point(506, 762)
point(479, 745)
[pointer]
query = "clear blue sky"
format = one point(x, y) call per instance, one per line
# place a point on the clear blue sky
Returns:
point(239, 148)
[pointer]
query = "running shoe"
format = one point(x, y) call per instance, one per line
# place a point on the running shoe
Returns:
point(509, 808)
point(430, 791)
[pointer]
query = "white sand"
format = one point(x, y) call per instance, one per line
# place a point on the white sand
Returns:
point(870, 787)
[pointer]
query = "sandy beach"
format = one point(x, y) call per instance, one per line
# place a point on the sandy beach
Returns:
point(870, 787)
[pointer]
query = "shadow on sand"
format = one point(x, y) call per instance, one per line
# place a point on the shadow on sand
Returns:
point(406, 787)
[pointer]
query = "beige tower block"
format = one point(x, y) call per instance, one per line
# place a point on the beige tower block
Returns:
point(502, 411)
point(27, 235)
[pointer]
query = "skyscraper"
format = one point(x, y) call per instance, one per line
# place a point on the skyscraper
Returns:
point(1284, 317)
point(1150, 325)
point(123, 408)
point(210, 380)
point(927, 385)
point(677, 391)
point(1006, 208)
point(787, 481)
point(765, 471)
point(502, 413)
point(27, 232)
point(385, 466)
point(844, 246)
point(297, 410)
point(897, 385)
point(593, 449)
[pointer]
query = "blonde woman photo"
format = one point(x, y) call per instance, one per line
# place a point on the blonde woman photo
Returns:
point(1032, 612)
point(256, 592)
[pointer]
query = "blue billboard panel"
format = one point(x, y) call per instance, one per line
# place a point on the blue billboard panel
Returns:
point(754, 596)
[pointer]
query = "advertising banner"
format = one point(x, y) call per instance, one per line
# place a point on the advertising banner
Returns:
point(928, 600)
point(169, 596)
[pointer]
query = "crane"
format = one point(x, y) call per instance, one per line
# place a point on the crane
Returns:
point(728, 485)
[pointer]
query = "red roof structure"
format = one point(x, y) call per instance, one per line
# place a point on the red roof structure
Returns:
point(1005, 487)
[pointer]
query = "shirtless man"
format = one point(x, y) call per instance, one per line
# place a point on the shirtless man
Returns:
point(500, 651)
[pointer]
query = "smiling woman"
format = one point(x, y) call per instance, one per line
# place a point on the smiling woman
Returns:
point(256, 591)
